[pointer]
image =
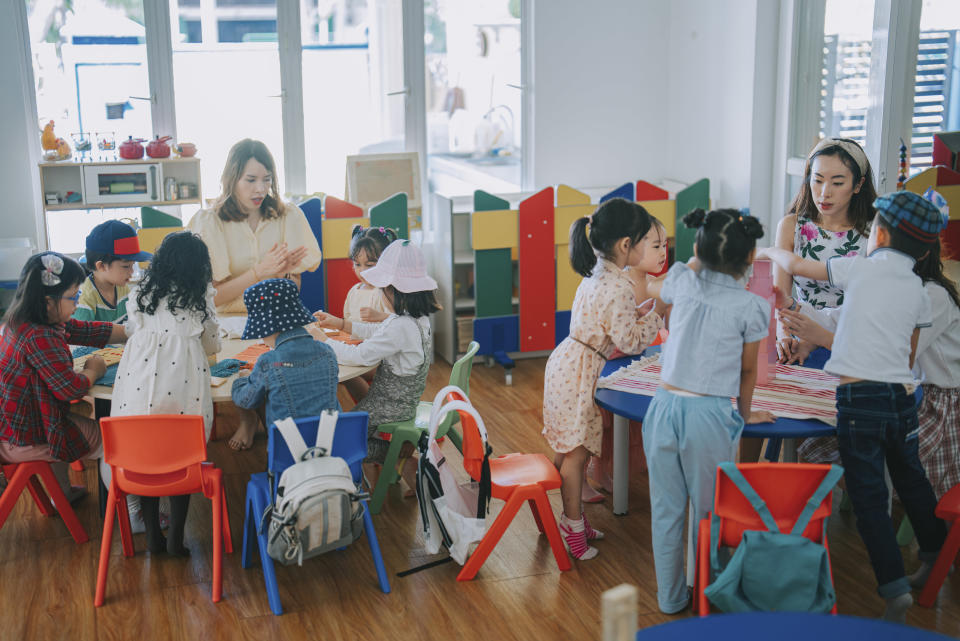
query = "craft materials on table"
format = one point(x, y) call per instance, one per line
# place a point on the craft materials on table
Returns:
point(219, 373)
point(111, 355)
point(796, 392)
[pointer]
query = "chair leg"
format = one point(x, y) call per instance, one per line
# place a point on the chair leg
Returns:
point(549, 523)
point(105, 541)
point(40, 497)
point(123, 522)
point(536, 516)
point(703, 567)
point(491, 538)
point(16, 481)
point(948, 554)
point(388, 474)
point(375, 550)
point(257, 506)
point(63, 505)
point(905, 532)
point(249, 531)
point(216, 505)
point(227, 536)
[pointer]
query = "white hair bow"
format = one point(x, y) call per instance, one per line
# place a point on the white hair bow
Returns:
point(52, 266)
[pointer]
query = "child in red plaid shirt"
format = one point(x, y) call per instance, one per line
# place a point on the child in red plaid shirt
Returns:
point(37, 379)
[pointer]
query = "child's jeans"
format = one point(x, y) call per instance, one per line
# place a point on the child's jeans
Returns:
point(877, 423)
point(685, 438)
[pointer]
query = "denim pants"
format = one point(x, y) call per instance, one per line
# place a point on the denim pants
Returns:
point(684, 438)
point(877, 424)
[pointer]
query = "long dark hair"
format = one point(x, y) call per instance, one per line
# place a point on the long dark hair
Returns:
point(724, 239)
point(30, 301)
point(180, 272)
point(371, 241)
point(614, 219)
point(414, 304)
point(860, 211)
point(226, 207)
point(930, 268)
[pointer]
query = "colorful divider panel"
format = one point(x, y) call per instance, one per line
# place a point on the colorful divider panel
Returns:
point(696, 195)
point(567, 196)
point(497, 334)
point(562, 322)
point(493, 267)
point(571, 205)
point(537, 271)
point(947, 183)
point(312, 284)
point(946, 149)
point(340, 217)
point(391, 213)
point(624, 191)
point(648, 191)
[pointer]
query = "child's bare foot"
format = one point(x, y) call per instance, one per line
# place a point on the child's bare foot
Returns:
point(599, 477)
point(242, 439)
point(371, 473)
point(408, 472)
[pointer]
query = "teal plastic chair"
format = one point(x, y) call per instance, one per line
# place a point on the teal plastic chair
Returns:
point(409, 431)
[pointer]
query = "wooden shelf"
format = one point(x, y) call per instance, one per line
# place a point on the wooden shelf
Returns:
point(81, 205)
point(75, 162)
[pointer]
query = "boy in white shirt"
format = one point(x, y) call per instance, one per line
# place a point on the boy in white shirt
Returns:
point(873, 351)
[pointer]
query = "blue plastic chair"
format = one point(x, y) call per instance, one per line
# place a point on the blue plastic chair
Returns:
point(349, 443)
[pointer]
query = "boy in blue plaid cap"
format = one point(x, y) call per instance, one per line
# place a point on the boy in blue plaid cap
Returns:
point(873, 352)
point(298, 376)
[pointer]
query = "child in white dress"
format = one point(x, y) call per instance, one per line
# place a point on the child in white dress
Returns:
point(173, 327)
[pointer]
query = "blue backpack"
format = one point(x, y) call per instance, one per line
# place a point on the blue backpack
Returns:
point(771, 571)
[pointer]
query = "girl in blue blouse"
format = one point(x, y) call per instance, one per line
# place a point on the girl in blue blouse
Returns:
point(716, 326)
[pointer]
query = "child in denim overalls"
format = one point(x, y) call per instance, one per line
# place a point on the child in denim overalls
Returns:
point(711, 355)
point(298, 376)
point(873, 353)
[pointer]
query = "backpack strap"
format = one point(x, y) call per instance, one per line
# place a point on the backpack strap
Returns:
point(826, 485)
point(325, 431)
point(292, 437)
point(730, 469)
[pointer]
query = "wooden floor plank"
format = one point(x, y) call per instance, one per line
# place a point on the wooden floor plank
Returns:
point(47, 581)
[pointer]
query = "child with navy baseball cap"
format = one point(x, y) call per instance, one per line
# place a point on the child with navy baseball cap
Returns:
point(298, 376)
point(873, 353)
point(112, 248)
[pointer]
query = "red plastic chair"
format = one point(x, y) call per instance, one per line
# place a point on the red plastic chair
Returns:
point(948, 509)
point(785, 488)
point(160, 455)
point(515, 478)
point(27, 475)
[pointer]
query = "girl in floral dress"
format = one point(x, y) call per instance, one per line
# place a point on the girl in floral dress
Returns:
point(605, 317)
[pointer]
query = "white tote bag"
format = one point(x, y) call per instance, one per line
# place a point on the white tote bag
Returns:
point(454, 512)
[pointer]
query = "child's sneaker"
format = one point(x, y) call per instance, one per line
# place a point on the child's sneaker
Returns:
point(575, 539)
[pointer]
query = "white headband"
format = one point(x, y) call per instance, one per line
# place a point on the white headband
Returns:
point(854, 150)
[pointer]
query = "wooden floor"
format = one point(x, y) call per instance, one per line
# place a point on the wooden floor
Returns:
point(47, 581)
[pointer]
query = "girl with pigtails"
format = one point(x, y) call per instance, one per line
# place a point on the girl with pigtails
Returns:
point(716, 326)
point(604, 317)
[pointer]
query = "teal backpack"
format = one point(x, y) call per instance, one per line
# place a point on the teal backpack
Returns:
point(771, 571)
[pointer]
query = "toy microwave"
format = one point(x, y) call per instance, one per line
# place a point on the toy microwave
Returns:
point(123, 183)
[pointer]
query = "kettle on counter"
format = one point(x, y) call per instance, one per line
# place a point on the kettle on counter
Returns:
point(158, 147)
point(131, 148)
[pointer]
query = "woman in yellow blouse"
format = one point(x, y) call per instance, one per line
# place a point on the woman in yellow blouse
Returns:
point(252, 235)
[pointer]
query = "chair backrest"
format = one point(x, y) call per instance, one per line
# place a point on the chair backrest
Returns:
point(784, 487)
point(474, 448)
point(155, 444)
point(459, 376)
point(349, 442)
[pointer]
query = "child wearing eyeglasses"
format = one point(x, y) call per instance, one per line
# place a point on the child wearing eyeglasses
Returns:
point(37, 379)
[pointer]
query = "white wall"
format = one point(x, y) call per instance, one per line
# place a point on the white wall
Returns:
point(599, 75)
point(710, 84)
point(19, 178)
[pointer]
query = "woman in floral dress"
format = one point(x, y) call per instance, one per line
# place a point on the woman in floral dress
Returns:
point(604, 317)
point(830, 216)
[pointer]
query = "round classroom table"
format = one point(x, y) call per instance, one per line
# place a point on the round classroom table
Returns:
point(784, 626)
point(627, 407)
point(230, 347)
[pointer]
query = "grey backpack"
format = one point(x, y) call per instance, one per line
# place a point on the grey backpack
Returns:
point(317, 506)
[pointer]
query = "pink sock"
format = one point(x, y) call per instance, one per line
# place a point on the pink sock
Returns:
point(575, 538)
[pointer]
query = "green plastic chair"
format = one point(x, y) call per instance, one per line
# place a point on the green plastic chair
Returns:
point(409, 431)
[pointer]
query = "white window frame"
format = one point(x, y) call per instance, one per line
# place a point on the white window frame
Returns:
point(893, 64)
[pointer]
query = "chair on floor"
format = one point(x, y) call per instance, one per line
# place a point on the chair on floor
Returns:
point(159, 455)
point(27, 476)
point(410, 431)
point(948, 509)
point(515, 479)
point(785, 488)
point(350, 444)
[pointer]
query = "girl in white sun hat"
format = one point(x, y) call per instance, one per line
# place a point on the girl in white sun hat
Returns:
point(402, 344)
